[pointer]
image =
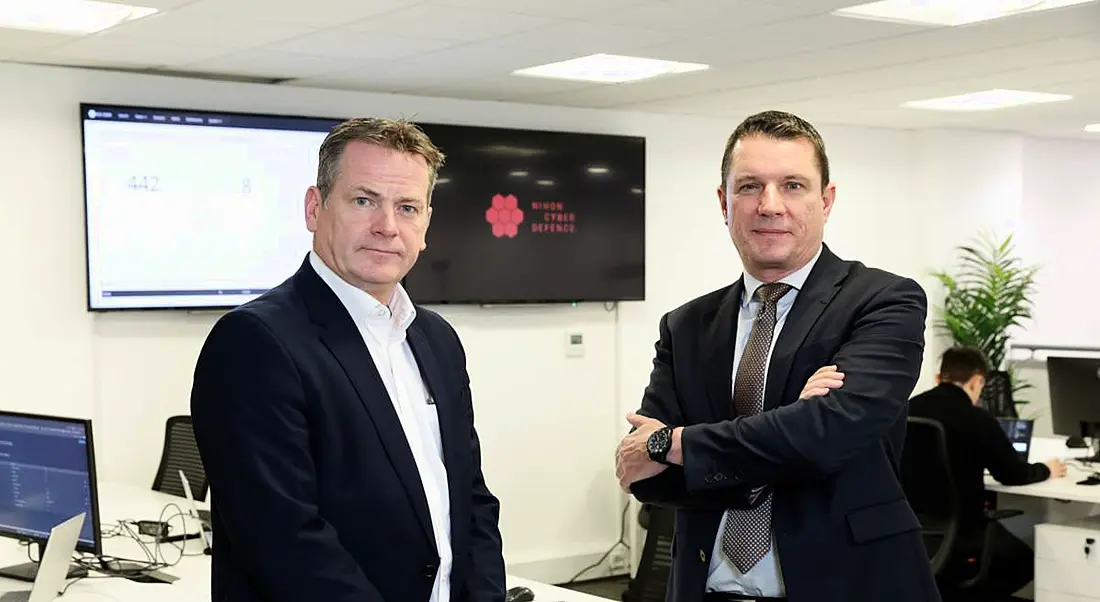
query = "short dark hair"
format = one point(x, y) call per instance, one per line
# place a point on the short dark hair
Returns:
point(781, 126)
point(960, 364)
point(394, 134)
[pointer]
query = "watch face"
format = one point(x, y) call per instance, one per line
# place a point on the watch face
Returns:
point(658, 444)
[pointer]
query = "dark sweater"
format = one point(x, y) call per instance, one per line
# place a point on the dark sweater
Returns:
point(975, 442)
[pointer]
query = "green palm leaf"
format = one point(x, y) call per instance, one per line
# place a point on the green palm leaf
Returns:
point(988, 294)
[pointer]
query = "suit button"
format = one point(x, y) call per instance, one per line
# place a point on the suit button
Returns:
point(702, 556)
point(429, 571)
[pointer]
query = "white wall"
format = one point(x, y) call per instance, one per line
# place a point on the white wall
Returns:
point(548, 423)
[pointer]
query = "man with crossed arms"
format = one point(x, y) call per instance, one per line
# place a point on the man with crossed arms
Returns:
point(775, 414)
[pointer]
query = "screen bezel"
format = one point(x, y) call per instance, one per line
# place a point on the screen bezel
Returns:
point(96, 547)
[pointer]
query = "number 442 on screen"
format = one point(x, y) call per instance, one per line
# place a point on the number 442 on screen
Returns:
point(148, 183)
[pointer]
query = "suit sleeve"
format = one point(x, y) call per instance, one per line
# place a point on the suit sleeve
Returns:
point(251, 426)
point(810, 439)
point(487, 582)
point(1001, 459)
point(661, 402)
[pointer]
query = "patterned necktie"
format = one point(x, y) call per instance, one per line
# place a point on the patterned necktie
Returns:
point(747, 536)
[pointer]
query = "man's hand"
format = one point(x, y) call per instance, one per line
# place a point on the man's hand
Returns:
point(632, 463)
point(824, 379)
point(1057, 468)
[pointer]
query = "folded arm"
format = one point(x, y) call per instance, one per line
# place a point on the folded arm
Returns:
point(661, 402)
point(249, 414)
point(815, 437)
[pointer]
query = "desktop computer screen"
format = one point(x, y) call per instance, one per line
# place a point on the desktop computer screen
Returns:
point(47, 476)
point(1075, 397)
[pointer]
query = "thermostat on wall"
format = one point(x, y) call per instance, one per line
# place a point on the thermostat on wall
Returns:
point(574, 344)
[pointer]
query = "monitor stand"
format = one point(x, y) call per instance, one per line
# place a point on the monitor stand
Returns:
point(28, 571)
point(135, 571)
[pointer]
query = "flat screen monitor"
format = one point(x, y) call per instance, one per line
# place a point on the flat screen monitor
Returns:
point(49, 477)
point(1075, 397)
point(195, 209)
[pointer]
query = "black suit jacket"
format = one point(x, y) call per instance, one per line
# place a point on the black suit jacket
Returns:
point(975, 442)
point(315, 493)
point(843, 529)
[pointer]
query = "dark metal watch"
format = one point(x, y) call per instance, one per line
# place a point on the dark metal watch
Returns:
point(659, 444)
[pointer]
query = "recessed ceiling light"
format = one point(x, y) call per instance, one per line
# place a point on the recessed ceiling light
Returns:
point(67, 16)
point(985, 100)
point(544, 182)
point(598, 170)
point(609, 69)
point(1093, 128)
point(949, 12)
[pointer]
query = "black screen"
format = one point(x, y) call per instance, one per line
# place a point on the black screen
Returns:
point(46, 477)
point(578, 234)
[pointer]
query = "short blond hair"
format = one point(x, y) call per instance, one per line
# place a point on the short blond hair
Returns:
point(395, 134)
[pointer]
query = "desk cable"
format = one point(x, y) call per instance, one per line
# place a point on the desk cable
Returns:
point(621, 542)
point(155, 558)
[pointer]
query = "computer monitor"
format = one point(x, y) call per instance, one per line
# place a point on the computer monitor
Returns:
point(49, 477)
point(1075, 396)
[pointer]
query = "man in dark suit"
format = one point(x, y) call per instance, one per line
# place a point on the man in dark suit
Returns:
point(775, 412)
point(334, 417)
point(976, 442)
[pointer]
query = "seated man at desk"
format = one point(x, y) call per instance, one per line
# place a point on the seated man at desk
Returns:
point(976, 442)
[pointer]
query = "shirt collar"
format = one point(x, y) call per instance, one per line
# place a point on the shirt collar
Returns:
point(362, 306)
point(796, 279)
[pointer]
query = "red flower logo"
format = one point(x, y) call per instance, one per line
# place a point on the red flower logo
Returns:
point(505, 215)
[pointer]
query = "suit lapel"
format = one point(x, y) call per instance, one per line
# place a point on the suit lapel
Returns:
point(820, 288)
point(718, 345)
point(446, 406)
point(339, 333)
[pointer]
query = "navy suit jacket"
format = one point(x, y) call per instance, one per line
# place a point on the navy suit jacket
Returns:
point(843, 528)
point(315, 493)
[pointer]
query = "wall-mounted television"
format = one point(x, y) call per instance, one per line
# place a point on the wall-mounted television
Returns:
point(199, 209)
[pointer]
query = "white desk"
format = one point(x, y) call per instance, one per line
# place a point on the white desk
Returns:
point(1065, 488)
point(117, 502)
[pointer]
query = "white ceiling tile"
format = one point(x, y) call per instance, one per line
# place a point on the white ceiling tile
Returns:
point(567, 9)
point(160, 5)
point(751, 43)
point(123, 51)
point(222, 33)
point(701, 17)
point(446, 22)
point(389, 76)
point(18, 42)
point(344, 43)
point(502, 88)
point(271, 64)
point(315, 14)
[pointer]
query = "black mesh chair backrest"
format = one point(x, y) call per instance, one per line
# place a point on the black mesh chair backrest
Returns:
point(180, 453)
point(996, 395)
point(930, 488)
point(650, 581)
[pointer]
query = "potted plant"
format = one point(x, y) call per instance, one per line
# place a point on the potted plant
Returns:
point(989, 294)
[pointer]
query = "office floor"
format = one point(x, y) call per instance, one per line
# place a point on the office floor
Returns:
point(611, 588)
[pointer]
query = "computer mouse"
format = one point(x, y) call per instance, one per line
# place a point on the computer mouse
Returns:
point(1076, 442)
point(519, 594)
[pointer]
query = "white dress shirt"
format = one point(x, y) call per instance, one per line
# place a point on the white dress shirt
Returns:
point(383, 328)
point(765, 579)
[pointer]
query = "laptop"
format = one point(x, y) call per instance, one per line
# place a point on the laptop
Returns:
point(53, 569)
point(200, 515)
point(1019, 432)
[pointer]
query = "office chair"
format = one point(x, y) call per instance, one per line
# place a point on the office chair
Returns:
point(181, 452)
point(930, 488)
point(996, 395)
point(650, 581)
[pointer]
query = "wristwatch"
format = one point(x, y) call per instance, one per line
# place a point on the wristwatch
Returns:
point(659, 444)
